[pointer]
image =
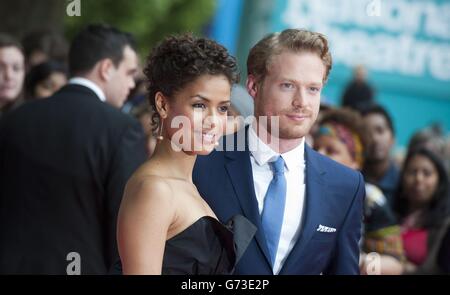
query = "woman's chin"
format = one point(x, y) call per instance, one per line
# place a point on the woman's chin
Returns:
point(202, 150)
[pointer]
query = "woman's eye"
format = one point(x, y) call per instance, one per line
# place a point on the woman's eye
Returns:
point(199, 106)
point(427, 173)
point(223, 109)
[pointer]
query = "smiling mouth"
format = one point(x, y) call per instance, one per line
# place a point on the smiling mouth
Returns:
point(208, 138)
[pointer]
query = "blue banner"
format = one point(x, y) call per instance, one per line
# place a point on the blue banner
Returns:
point(404, 44)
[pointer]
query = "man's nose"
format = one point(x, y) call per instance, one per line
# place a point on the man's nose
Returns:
point(299, 98)
point(8, 73)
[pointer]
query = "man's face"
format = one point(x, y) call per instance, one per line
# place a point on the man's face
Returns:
point(381, 137)
point(122, 79)
point(12, 73)
point(291, 90)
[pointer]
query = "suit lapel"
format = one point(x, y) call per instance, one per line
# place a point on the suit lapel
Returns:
point(239, 171)
point(315, 204)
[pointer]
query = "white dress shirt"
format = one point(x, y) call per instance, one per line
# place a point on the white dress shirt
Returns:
point(261, 155)
point(89, 84)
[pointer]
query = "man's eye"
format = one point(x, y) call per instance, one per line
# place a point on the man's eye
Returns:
point(287, 85)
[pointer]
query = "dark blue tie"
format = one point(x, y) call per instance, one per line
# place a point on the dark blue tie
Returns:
point(273, 211)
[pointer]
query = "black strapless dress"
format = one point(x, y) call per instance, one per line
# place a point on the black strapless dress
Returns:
point(207, 247)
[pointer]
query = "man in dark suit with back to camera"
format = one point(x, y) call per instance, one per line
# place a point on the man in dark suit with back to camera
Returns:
point(64, 162)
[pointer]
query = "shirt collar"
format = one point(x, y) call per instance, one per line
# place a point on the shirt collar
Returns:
point(295, 157)
point(263, 154)
point(89, 84)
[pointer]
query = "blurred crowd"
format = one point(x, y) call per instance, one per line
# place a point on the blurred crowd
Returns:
point(407, 206)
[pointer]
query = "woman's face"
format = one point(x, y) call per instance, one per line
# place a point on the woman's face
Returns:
point(50, 85)
point(197, 114)
point(420, 180)
point(332, 147)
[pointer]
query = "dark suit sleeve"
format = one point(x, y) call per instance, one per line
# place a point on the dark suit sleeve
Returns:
point(346, 253)
point(128, 155)
point(444, 253)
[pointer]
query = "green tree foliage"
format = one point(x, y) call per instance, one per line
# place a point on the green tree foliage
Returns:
point(148, 20)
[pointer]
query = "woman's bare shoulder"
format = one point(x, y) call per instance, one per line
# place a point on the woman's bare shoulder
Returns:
point(148, 190)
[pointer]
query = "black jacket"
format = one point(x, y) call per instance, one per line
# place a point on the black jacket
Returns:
point(64, 162)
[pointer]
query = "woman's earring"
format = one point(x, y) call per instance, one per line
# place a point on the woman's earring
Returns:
point(160, 137)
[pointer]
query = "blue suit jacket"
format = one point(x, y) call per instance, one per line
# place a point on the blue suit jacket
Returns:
point(334, 198)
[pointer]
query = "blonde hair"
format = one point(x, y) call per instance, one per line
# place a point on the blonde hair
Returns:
point(294, 40)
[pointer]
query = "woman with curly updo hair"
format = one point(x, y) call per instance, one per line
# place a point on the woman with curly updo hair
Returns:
point(164, 225)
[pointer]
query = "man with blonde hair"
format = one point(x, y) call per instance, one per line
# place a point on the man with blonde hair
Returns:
point(307, 208)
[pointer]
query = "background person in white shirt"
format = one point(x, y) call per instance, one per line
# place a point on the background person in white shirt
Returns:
point(65, 161)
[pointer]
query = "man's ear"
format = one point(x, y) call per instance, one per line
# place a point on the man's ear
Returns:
point(393, 140)
point(106, 67)
point(252, 86)
point(162, 104)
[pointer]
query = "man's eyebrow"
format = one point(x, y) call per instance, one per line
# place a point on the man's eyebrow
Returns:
point(295, 81)
point(317, 84)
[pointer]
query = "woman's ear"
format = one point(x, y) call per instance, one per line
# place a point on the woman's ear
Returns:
point(162, 104)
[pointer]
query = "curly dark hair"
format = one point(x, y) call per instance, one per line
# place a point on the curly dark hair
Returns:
point(179, 60)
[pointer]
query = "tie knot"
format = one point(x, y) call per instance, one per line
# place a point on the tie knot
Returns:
point(278, 166)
